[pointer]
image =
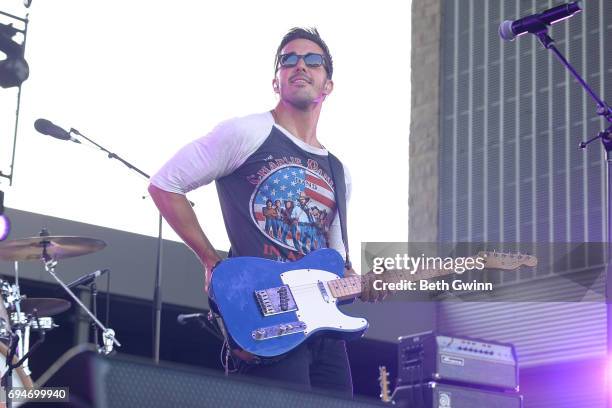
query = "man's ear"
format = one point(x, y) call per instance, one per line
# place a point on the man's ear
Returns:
point(275, 85)
point(328, 87)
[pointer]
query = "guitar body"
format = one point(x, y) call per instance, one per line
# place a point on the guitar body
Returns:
point(271, 307)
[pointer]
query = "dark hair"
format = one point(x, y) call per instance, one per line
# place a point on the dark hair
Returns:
point(308, 34)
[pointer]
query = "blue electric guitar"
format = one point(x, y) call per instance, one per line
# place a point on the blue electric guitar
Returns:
point(268, 307)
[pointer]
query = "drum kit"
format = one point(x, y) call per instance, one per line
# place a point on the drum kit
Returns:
point(20, 315)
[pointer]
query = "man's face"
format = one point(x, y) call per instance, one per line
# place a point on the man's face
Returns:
point(301, 85)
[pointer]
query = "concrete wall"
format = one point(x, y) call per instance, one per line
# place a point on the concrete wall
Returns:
point(424, 127)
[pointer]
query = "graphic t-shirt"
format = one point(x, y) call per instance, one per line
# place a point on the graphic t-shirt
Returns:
point(276, 192)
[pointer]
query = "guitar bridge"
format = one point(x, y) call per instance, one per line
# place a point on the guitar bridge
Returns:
point(275, 301)
point(265, 333)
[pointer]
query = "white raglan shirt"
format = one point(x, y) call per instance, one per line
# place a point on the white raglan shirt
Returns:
point(253, 160)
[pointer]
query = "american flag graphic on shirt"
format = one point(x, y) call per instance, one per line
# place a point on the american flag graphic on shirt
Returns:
point(287, 184)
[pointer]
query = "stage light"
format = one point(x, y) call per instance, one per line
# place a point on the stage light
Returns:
point(14, 69)
point(5, 223)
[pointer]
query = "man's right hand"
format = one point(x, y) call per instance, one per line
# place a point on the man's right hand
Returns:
point(178, 212)
point(209, 265)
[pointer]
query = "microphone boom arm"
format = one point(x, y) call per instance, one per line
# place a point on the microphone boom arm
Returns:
point(111, 155)
point(107, 332)
point(603, 109)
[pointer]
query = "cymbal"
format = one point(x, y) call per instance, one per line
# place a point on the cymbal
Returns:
point(44, 306)
point(58, 247)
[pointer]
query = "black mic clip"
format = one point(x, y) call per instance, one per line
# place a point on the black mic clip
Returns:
point(606, 139)
point(87, 279)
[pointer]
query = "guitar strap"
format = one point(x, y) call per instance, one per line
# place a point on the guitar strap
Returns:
point(337, 174)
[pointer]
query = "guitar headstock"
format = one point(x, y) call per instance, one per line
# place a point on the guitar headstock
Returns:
point(383, 379)
point(506, 260)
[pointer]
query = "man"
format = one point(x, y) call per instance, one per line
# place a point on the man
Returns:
point(304, 223)
point(289, 225)
point(254, 160)
point(269, 214)
point(278, 219)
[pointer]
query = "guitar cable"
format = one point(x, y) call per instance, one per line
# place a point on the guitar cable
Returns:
point(225, 347)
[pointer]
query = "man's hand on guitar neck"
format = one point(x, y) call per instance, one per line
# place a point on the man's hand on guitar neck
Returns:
point(368, 293)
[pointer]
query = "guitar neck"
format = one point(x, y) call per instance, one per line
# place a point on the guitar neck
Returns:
point(351, 287)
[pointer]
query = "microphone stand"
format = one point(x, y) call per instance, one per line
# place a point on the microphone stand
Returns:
point(603, 110)
point(94, 309)
point(157, 295)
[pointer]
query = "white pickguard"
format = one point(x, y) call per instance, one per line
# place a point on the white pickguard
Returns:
point(312, 307)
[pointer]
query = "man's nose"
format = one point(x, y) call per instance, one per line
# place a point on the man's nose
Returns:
point(301, 64)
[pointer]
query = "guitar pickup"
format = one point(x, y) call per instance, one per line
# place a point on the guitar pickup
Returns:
point(270, 332)
point(275, 301)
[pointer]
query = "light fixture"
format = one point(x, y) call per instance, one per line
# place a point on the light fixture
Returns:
point(14, 69)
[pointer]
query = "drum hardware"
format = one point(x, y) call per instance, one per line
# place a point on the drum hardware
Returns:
point(52, 247)
point(24, 321)
point(94, 308)
point(14, 340)
point(90, 281)
point(46, 323)
point(44, 306)
point(50, 263)
point(5, 329)
point(22, 332)
point(25, 311)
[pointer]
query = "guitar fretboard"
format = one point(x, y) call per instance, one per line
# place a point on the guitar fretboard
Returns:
point(351, 287)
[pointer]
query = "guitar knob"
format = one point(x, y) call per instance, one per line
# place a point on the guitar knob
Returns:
point(259, 334)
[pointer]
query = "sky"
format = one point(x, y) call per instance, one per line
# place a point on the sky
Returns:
point(144, 78)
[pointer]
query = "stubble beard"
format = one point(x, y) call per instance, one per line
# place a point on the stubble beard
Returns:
point(303, 100)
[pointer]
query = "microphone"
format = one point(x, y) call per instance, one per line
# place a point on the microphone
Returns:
point(46, 127)
point(509, 30)
point(186, 318)
point(87, 279)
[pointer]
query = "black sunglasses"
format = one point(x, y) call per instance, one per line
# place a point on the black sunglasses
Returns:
point(311, 60)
